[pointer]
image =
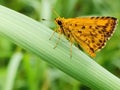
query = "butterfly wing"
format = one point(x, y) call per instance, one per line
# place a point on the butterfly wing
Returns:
point(92, 33)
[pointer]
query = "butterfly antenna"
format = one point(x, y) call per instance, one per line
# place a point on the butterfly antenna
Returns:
point(56, 13)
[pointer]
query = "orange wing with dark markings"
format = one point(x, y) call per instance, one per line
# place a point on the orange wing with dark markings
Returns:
point(91, 33)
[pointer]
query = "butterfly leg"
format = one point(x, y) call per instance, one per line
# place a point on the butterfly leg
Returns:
point(71, 43)
point(57, 41)
point(53, 34)
point(71, 50)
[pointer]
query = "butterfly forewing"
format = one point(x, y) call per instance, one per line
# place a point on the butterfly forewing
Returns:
point(91, 33)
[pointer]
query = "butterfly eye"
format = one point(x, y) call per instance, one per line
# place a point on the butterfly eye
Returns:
point(59, 22)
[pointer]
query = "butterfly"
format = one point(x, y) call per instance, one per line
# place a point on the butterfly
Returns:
point(90, 33)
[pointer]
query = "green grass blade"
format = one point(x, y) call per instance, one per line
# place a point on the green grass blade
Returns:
point(34, 37)
point(12, 70)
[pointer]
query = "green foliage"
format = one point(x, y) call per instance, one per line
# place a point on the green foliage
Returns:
point(20, 70)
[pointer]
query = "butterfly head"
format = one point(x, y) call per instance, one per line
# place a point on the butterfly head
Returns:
point(59, 21)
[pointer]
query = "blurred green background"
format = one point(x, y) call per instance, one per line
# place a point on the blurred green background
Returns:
point(32, 73)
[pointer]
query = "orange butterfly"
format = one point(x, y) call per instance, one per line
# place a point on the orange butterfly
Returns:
point(91, 33)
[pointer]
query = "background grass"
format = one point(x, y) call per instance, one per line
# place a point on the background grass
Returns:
point(32, 72)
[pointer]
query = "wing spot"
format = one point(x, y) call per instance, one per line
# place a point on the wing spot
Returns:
point(75, 24)
point(114, 18)
point(96, 27)
point(79, 31)
point(83, 27)
point(92, 17)
point(100, 41)
point(90, 27)
point(97, 17)
point(93, 41)
point(102, 17)
point(98, 44)
point(100, 32)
